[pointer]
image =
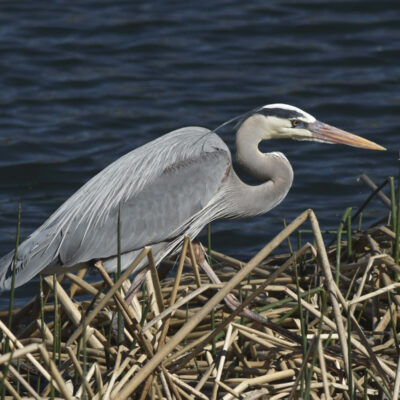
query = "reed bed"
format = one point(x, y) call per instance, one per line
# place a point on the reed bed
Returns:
point(332, 310)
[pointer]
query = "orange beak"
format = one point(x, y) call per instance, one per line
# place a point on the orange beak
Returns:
point(330, 134)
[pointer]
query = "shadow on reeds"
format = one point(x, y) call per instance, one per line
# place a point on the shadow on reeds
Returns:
point(338, 304)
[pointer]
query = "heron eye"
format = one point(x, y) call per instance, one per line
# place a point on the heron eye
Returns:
point(296, 123)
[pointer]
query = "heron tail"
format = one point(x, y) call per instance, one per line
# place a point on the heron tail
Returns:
point(31, 259)
point(6, 268)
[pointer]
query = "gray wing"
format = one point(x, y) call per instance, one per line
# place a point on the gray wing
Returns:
point(157, 187)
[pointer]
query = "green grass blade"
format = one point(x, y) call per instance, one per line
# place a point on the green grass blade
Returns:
point(11, 303)
point(359, 228)
point(6, 344)
point(393, 200)
point(379, 383)
point(349, 234)
point(315, 352)
point(365, 385)
point(339, 246)
point(214, 341)
point(288, 239)
point(303, 329)
point(57, 326)
point(116, 277)
point(351, 385)
point(84, 360)
point(209, 248)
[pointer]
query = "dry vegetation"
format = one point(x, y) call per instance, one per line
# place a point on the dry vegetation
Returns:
point(336, 309)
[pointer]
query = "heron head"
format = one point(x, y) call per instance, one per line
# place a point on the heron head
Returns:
point(285, 121)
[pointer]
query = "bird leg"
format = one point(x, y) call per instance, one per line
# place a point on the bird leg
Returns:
point(233, 303)
point(230, 300)
point(136, 284)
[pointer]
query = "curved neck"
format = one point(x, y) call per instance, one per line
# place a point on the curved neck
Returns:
point(272, 168)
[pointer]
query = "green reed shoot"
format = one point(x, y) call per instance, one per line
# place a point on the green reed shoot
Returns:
point(288, 239)
point(286, 300)
point(41, 303)
point(11, 303)
point(57, 326)
point(349, 234)
point(56, 339)
point(83, 341)
point(214, 341)
point(6, 343)
point(6, 367)
point(209, 243)
point(209, 248)
point(350, 383)
point(393, 200)
point(360, 216)
point(379, 383)
point(52, 389)
point(307, 390)
point(299, 243)
point(339, 242)
point(363, 307)
point(300, 307)
point(365, 385)
point(303, 329)
point(288, 314)
point(116, 277)
point(84, 360)
point(18, 382)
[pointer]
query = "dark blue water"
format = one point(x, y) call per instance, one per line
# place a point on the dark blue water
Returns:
point(82, 83)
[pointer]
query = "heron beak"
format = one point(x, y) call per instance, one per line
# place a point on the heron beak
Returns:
point(330, 134)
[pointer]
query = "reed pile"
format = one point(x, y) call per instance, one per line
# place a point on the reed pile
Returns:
point(334, 312)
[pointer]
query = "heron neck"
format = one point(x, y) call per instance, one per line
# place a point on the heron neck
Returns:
point(272, 168)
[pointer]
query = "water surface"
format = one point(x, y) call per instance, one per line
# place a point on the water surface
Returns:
point(84, 82)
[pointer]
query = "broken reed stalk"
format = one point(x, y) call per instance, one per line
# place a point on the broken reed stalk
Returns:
point(126, 312)
point(55, 374)
point(174, 292)
point(332, 288)
point(156, 282)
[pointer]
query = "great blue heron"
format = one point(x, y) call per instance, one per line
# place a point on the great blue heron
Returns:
point(169, 188)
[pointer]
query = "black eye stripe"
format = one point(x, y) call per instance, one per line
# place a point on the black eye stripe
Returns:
point(279, 113)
